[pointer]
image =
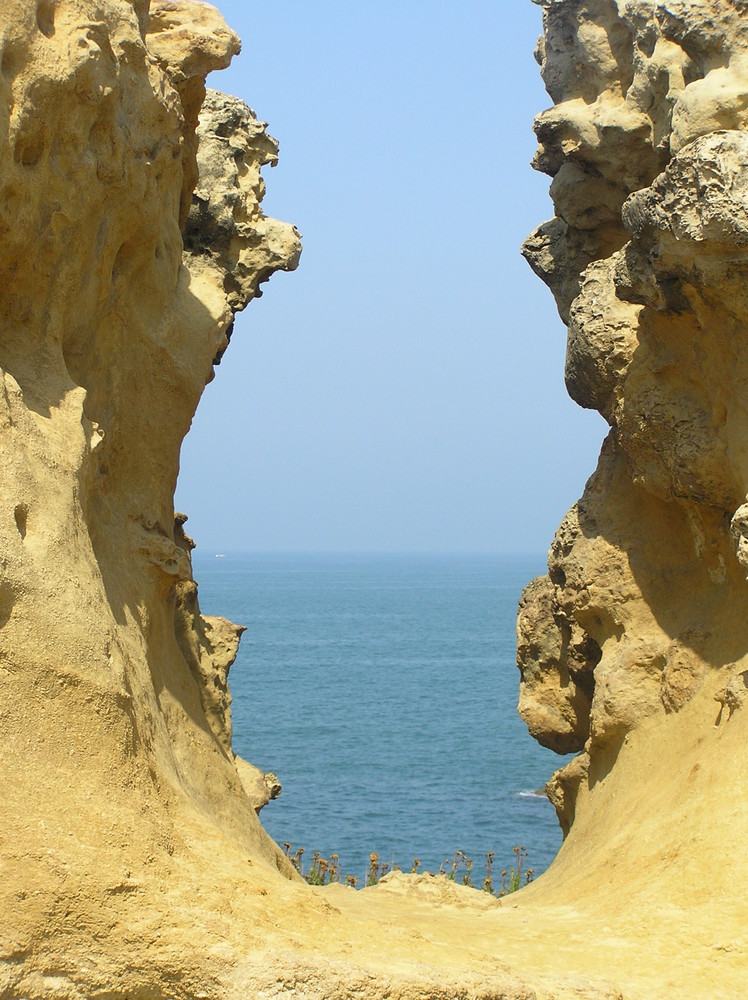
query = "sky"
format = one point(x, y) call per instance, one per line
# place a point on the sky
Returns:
point(402, 391)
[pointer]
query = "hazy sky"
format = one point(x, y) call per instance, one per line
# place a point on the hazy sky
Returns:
point(403, 389)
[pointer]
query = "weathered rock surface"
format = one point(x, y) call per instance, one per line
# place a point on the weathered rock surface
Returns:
point(648, 148)
point(632, 83)
point(132, 859)
point(654, 344)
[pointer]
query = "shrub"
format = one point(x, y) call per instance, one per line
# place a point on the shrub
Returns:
point(324, 871)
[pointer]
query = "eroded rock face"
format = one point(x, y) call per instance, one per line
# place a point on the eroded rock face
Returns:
point(226, 232)
point(116, 728)
point(649, 154)
point(132, 860)
point(632, 83)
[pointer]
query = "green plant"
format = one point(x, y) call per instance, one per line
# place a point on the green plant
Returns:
point(295, 859)
point(375, 870)
point(324, 871)
point(317, 874)
point(511, 880)
point(515, 874)
point(487, 881)
point(455, 865)
point(466, 879)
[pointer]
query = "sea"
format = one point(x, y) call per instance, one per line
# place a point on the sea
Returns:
point(382, 691)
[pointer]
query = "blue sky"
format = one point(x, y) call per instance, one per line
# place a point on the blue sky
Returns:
point(403, 389)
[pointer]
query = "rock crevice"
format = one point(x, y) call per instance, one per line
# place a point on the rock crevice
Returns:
point(132, 859)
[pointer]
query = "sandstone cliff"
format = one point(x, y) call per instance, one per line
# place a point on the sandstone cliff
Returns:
point(633, 649)
point(132, 860)
point(641, 612)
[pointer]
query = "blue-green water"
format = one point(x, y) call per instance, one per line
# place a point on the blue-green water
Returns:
point(382, 691)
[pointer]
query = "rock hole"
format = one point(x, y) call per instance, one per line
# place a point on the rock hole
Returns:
point(21, 514)
point(45, 17)
point(7, 598)
point(124, 261)
point(557, 576)
point(28, 149)
point(12, 61)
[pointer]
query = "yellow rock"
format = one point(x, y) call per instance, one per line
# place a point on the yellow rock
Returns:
point(132, 860)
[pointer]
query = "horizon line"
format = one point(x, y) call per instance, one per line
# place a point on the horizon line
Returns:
point(212, 552)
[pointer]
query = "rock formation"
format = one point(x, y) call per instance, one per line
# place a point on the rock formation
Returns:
point(640, 624)
point(132, 859)
point(641, 608)
point(120, 280)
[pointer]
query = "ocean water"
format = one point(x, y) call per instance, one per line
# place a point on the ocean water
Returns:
point(382, 691)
